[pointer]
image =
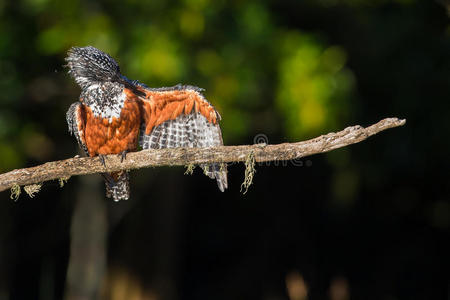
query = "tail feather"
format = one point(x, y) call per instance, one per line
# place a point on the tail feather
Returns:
point(219, 172)
point(117, 186)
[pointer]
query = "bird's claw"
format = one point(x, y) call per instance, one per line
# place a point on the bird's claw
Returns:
point(123, 155)
point(101, 157)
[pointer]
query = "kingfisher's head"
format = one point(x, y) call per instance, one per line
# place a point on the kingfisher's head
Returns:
point(88, 66)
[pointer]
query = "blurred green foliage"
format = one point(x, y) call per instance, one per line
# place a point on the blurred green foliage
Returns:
point(288, 69)
point(262, 75)
point(314, 86)
point(226, 49)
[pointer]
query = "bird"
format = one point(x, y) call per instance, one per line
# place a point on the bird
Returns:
point(117, 115)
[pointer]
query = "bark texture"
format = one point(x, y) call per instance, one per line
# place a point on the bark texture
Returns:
point(64, 169)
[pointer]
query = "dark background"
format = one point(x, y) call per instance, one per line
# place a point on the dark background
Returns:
point(370, 221)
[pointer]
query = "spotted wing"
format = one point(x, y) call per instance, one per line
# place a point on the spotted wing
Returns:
point(76, 123)
point(180, 116)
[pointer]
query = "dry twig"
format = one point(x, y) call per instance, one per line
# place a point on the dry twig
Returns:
point(192, 156)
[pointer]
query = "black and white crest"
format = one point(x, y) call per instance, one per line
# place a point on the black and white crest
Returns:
point(98, 75)
point(89, 65)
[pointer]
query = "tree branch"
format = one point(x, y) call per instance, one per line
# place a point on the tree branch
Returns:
point(64, 169)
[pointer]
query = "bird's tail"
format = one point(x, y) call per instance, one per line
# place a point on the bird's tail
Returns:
point(219, 172)
point(117, 185)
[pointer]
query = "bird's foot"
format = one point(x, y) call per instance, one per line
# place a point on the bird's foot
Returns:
point(101, 157)
point(123, 155)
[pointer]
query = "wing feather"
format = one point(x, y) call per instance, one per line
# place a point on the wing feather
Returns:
point(181, 117)
point(76, 123)
point(188, 106)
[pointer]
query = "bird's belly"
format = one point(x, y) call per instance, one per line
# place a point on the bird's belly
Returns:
point(121, 134)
